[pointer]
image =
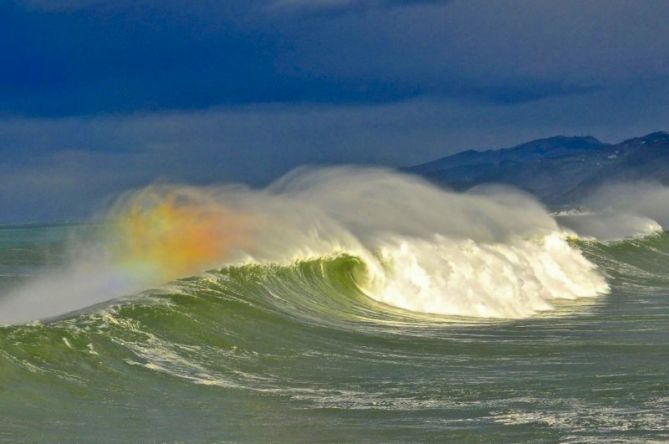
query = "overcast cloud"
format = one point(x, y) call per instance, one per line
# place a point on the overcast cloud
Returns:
point(98, 95)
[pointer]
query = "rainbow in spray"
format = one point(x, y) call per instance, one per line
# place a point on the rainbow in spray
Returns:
point(163, 234)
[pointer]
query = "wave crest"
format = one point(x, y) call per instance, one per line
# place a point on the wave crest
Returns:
point(489, 253)
point(490, 280)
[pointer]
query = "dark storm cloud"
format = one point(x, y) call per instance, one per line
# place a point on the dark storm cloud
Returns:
point(343, 6)
point(68, 57)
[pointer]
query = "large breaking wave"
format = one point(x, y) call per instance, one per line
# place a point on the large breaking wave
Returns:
point(489, 253)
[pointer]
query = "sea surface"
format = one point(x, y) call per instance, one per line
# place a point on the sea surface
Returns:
point(299, 353)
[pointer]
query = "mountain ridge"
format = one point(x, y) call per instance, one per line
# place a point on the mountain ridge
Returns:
point(559, 170)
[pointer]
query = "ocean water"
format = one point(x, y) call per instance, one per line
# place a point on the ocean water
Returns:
point(322, 349)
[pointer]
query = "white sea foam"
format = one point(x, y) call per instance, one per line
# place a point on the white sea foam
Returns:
point(513, 279)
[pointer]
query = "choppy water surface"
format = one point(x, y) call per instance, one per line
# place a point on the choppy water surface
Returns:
point(298, 353)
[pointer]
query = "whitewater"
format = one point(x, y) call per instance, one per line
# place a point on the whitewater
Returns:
point(493, 252)
point(336, 304)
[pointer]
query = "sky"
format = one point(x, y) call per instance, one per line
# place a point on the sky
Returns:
point(98, 96)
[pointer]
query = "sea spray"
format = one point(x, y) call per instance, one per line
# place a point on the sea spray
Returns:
point(492, 252)
point(621, 210)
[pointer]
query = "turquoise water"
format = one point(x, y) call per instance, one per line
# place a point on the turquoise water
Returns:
point(300, 354)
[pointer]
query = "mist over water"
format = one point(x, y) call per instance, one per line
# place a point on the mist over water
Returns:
point(491, 253)
point(621, 210)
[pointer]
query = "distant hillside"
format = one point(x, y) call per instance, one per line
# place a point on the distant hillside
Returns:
point(558, 170)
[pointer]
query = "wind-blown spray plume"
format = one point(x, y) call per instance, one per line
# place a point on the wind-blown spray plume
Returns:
point(489, 253)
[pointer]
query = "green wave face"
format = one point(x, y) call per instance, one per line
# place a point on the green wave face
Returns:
point(300, 353)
